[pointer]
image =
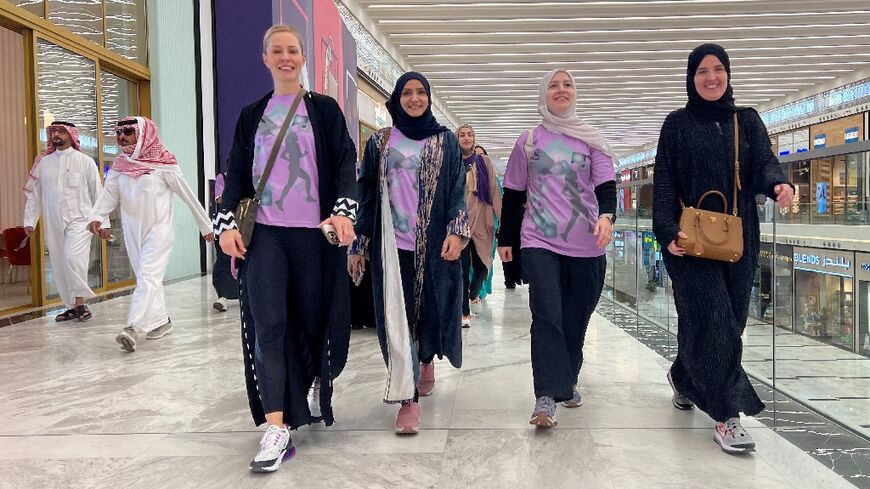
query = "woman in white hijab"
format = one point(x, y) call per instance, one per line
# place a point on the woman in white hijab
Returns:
point(564, 168)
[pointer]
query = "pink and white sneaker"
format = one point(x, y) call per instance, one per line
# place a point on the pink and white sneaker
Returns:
point(426, 383)
point(408, 419)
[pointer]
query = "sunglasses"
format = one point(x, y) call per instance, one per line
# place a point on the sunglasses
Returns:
point(126, 131)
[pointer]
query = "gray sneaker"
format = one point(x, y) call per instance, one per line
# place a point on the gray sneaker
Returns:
point(127, 339)
point(679, 401)
point(159, 332)
point(575, 401)
point(544, 414)
point(733, 437)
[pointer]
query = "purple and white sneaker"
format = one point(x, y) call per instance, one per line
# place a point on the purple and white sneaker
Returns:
point(275, 447)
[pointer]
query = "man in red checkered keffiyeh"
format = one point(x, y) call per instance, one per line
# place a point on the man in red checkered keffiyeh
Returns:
point(60, 189)
point(142, 149)
point(142, 181)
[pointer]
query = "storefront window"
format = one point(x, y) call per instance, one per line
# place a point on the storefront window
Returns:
point(862, 264)
point(16, 287)
point(856, 193)
point(118, 99)
point(824, 296)
point(125, 28)
point(36, 7)
point(774, 281)
point(66, 91)
point(82, 17)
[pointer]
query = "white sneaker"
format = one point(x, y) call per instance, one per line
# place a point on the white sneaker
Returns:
point(314, 400)
point(220, 304)
point(275, 447)
point(732, 437)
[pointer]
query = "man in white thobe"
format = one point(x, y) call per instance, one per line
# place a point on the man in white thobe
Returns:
point(62, 187)
point(143, 180)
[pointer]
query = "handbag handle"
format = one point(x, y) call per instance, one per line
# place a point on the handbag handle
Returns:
point(737, 184)
point(277, 146)
point(714, 192)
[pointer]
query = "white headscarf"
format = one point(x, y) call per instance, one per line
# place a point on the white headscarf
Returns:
point(569, 124)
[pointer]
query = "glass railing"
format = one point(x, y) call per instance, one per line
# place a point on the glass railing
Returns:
point(844, 213)
point(807, 335)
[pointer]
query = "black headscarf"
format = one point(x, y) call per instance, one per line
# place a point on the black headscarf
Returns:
point(720, 110)
point(416, 128)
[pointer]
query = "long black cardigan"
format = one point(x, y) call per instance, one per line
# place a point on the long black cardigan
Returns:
point(336, 162)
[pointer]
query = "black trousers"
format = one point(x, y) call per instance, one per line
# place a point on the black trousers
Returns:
point(284, 274)
point(222, 278)
point(474, 273)
point(362, 302)
point(563, 293)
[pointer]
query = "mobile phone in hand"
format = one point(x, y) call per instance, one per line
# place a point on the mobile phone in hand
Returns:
point(330, 233)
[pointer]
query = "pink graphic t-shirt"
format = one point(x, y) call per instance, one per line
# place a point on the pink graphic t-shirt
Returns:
point(291, 196)
point(560, 180)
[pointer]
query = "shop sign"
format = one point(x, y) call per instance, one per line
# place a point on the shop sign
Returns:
point(824, 261)
point(852, 135)
point(786, 143)
point(802, 140)
point(767, 252)
point(862, 264)
point(819, 141)
point(822, 197)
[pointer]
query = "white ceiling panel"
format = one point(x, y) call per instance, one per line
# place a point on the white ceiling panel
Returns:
point(485, 59)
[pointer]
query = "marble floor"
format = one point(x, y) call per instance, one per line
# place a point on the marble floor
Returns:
point(825, 377)
point(79, 413)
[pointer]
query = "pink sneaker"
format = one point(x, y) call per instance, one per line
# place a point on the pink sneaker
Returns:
point(426, 384)
point(408, 419)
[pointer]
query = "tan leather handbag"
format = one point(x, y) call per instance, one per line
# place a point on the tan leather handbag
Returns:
point(715, 235)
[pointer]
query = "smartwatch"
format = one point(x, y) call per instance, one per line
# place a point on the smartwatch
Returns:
point(608, 215)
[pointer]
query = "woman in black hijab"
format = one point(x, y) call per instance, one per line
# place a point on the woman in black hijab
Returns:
point(412, 225)
point(695, 155)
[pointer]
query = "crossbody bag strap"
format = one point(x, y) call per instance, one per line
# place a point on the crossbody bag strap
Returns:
point(278, 140)
point(736, 161)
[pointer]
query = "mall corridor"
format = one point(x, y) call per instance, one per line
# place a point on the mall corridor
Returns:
point(79, 413)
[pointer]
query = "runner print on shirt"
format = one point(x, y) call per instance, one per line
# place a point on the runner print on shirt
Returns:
point(292, 154)
point(403, 168)
point(557, 167)
point(290, 197)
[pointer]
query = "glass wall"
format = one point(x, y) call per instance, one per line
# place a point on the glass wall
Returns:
point(831, 190)
point(118, 99)
point(82, 17)
point(809, 315)
point(16, 284)
point(36, 7)
point(67, 91)
point(125, 28)
point(117, 25)
point(72, 82)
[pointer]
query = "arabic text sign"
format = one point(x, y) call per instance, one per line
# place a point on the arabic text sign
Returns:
point(862, 260)
point(825, 261)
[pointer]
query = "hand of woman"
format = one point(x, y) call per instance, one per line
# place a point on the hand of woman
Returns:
point(343, 228)
point(676, 249)
point(506, 253)
point(231, 243)
point(356, 265)
point(451, 248)
point(604, 231)
point(784, 194)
